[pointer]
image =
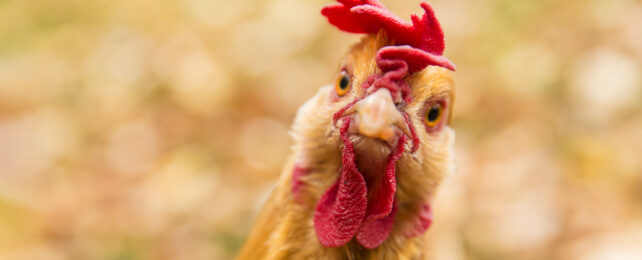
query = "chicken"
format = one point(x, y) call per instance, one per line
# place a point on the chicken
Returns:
point(370, 149)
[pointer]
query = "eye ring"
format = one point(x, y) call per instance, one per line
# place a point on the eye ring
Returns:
point(343, 83)
point(434, 115)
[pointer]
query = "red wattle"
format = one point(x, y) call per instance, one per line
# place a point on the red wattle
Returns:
point(381, 207)
point(374, 232)
point(344, 210)
point(341, 209)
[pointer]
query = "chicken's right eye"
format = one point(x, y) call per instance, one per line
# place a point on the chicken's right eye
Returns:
point(343, 83)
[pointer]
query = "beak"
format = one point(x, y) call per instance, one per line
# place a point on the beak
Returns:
point(378, 117)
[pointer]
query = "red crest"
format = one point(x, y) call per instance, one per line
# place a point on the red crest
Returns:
point(419, 43)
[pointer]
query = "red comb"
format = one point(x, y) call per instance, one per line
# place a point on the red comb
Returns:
point(423, 37)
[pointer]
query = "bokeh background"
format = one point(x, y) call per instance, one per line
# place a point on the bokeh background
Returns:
point(154, 129)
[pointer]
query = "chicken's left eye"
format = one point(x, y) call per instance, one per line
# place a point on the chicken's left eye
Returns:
point(433, 115)
point(343, 83)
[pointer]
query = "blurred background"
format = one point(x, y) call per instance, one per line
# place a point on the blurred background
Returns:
point(154, 129)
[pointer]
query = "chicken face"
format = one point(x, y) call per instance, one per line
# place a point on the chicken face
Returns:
point(384, 146)
point(370, 148)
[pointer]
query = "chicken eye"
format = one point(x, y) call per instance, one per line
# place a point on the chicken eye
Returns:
point(434, 115)
point(343, 83)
